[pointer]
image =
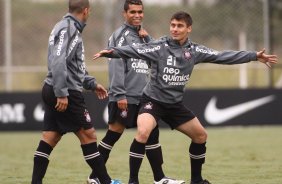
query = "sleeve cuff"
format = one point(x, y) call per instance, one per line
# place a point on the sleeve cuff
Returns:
point(254, 56)
point(61, 93)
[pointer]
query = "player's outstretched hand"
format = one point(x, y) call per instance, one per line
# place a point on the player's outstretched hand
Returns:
point(102, 53)
point(101, 92)
point(267, 59)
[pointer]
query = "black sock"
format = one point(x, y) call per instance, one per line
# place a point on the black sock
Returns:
point(96, 162)
point(41, 162)
point(197, 158)
point(154, 154)
point(107, 143)
point(136, 155)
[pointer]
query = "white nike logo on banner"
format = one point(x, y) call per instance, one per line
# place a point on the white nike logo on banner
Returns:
point(38, 113)
point(215, 116)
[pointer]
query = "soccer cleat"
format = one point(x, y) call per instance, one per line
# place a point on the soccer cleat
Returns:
point(133, 182)
point(201, 182)
point(167, 180)
point(93, 181)
point(116, 182)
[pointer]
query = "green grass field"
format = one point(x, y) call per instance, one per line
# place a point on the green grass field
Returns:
point(235, 155)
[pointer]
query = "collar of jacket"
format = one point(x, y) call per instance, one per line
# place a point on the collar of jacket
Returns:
point(134, 28)
point(174, 43)
point(78, 24)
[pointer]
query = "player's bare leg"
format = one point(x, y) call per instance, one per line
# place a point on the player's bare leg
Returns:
point(41, 156)
point(145, 124)
point(197, 149)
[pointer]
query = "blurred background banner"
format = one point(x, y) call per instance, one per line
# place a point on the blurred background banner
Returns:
point(24, 111)
point(214, 90)
point(25, 26)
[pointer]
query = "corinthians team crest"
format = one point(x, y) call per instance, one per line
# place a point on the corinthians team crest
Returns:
point(123, 114)
point(187, 55)
point(87, 115)
point(149, 105)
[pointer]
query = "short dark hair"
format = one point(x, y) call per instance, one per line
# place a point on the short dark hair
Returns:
point(181, 15)
point(77, 6)
point(128, 2)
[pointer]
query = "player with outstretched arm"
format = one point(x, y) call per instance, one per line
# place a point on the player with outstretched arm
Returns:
point(173, 58)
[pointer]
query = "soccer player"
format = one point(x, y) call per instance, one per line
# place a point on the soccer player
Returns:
point(65, 109)
point(127, 78)
point(172, 61)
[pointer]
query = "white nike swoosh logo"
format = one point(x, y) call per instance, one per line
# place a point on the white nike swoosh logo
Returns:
point(216, 116)
point(38, 113)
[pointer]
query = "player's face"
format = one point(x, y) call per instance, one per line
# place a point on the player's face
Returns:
point(179, 30)
point(134, 15)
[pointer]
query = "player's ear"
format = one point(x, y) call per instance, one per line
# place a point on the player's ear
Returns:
point(124, 14)
point(189, 30)
point(86, 11)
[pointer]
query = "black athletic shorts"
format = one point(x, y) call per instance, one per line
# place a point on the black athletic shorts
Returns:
point(126, 117)
point(172, 114)
point(73, 119)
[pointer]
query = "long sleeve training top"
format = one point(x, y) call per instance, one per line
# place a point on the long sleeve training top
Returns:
point(172, 64)
point(66, 66)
